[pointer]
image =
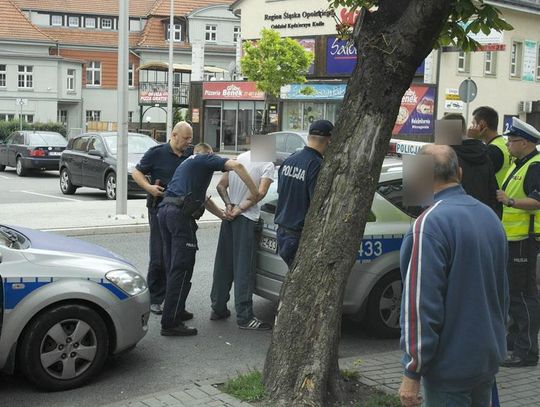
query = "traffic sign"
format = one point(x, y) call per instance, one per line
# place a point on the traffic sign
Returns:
point(468, 90)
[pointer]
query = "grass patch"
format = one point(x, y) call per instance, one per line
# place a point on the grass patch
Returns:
point(382, 400)
point(350, 374)
point(246, 387)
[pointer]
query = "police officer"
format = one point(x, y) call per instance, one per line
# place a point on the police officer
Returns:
point(184, 201)
point(520, 193)
point(297, 177)
point(159, 163)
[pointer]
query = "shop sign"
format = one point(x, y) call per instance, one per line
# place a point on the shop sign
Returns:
point(416, 111)
point(529, 60)
point(195, 115)
point(452, 100)
point(231, 91)
point(155, 93)
point(298, 19)
point(322, 91)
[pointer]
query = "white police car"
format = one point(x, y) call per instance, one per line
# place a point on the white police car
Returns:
point(65, 306)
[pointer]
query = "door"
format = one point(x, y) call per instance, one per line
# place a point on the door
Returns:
point(74, 159)
point(93, 166)
point(212, 127)
point(17, 144)
point(4, 150)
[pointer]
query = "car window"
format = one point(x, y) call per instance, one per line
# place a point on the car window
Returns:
point(136, 144)
point(81, 143)
point(11, 139)
point(47, 139)
point(281, 142)
point(17, 139)
point(294, 142)
point(392, 191)
point(96, 144)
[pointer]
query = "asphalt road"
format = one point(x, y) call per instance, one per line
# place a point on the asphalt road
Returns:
point(158, 363)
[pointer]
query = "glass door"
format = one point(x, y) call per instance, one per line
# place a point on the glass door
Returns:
point(212, 126)
point(229, 125)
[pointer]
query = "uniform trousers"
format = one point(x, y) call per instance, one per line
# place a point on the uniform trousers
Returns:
point(156, 277)
point(287, 242)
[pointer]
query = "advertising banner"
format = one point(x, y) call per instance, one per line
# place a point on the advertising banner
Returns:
point(529, 60)
point(323, 91)
point(309, 45)
point(153, 93)
point(231, 91)
point(416, 113)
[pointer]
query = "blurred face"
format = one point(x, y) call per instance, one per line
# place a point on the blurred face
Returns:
point(182, 138)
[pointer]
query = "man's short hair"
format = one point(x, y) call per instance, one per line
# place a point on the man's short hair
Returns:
point(203, 148)
point(487, 114)
point(457, 116)
point(445, 162)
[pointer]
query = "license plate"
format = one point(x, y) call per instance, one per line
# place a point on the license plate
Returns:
point(55, 153)
point(268, 243)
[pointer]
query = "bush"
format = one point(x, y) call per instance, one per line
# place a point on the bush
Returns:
point(7, 127)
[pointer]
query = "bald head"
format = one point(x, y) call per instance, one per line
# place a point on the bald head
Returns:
point(181, 137)
point(445, 163)
point(182, 127)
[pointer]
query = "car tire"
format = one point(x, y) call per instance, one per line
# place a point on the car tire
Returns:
point(110, 185)
point(19, 168)
point(66, 185)
point(2, 167)
point(384, 306)
point(64, 347)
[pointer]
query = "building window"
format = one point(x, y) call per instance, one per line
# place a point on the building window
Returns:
point(210, 33)
point(537, 64)
point(93, 115)
point(6, 117)
point(26, 77)
point(3, 74)
point(57, 21)
point(130, 117)
point(28, 118)
point(177, 32)
point(70, 86)
point(90, 22)
point(93, 73)
point(464, 59)
point(62, 117)
point(73, 21)
point(516, 57)
point(131, 75)
point(490, 65)
point(236, 33)
point(106, 23)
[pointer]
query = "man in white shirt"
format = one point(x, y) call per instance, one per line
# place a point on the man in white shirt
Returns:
point(236, 246)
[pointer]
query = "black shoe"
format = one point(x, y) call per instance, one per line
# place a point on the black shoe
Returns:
point(255, 324)
point(156, 309)
point(180, 330)
point(186, 316)
point(214, 316)
point(516, 361)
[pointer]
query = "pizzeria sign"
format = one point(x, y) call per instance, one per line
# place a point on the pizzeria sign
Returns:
point(231, 91)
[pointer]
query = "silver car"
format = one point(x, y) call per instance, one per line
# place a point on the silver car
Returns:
point(373, 292)
point(66, 305)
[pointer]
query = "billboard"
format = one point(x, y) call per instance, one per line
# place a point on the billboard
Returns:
point(416, 113)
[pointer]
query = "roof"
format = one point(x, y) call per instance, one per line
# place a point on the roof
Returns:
point(12, 17)
point(89, 37)
point(137, 8)
point(182, 8)
point(164, 66)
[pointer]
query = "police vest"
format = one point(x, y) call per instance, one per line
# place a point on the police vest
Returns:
point(500, 143)
point(516, 222)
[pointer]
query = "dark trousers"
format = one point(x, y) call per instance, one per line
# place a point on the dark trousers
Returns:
point(156, 277)
point(179, 248)
point(287, 242)
point(234, 261)
point(524, 300)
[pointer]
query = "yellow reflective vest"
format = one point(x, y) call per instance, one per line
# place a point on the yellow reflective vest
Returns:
point(516, 222)
point(500, 143)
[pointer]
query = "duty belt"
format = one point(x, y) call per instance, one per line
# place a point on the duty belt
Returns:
point(175, 200)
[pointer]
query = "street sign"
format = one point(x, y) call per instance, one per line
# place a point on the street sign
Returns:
point(468, 90)
point(21, 101)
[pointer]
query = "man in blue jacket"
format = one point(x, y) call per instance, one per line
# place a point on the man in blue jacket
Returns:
point(455, 298)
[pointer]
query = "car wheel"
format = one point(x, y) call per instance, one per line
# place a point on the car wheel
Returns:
point(2, 167)
point(19, 169)
point(384, 306)
point(64, 347)
point(66, 186)
point(110, 185)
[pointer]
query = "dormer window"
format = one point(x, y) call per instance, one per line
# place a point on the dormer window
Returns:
point(106, 23)
point(73, 21)
point(177, 32)
point(90, 22)
point(57, 21)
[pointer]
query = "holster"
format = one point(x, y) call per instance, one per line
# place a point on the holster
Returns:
point(193, 207)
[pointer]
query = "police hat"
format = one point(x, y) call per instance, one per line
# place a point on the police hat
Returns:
point(321, 128)
point(524, 130)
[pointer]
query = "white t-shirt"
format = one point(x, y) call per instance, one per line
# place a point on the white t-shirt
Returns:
point(238, 191)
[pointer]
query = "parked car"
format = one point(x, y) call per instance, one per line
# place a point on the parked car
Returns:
point(288, 142)
point(90, 161)
point(31, 150)
point(373, 292)
point(67, 305)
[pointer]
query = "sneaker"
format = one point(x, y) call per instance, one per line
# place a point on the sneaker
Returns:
point(214, 316)
point(156, 309)
point(180, 330)
point(186, 316)
point(256, 324)
point(516, 361)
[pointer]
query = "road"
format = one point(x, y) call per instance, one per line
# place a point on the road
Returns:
point(158, 363)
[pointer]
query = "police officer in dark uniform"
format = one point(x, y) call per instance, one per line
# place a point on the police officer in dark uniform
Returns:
point(297, 177)
point(184, 201)
point(159, 163)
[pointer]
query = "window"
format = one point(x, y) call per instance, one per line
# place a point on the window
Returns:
point(210, 33)
point(106, 23)
point(6, 117)
point(515, 59)
point(73, 21)
point(26, 77)
point(93, 115)
point(130, 117)
point(62, 116)
point(93, 73)
point(131, 75)
point(81, 143)
point(70, 86)
point(177, 32)
point(236, 33)
point(393, 192)
point(537, 65)
point(90, 22)
point(3, 73)
point(57, 21)
point(490, 67)
point(28, 118)
point(463, 62)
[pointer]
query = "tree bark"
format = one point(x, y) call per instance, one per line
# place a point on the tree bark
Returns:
point(301, 366)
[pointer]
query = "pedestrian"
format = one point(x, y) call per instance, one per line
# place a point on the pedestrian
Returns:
point(159, 163)
point(297, 177)
point(520, 193)
point(184, 202)
point(235, 253)
point(455, 295)
point(478, 175)
point(484, 127)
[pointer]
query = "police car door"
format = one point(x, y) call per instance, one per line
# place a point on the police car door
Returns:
point(1, 298)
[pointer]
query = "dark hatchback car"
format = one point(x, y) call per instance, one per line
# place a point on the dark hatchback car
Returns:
point(90, 161)
point(31, 150)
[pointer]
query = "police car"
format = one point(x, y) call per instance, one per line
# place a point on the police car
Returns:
point(65, 306)
point(373, 292)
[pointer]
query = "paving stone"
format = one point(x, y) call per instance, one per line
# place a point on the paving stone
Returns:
point(182, 396)
point(210, 390)
point(196, 393)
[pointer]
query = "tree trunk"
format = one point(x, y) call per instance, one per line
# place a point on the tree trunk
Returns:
point(302, 362)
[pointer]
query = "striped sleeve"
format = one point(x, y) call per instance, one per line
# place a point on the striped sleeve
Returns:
point(423, 268)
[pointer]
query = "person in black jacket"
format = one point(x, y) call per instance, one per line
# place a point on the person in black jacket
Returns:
point(478, 178)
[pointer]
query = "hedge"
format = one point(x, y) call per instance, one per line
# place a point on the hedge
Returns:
point(8, 127)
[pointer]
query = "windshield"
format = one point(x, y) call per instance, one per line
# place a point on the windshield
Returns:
point(137, 144)
point(47, 139)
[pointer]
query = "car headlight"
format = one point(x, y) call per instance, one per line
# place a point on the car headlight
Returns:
point(128, 281)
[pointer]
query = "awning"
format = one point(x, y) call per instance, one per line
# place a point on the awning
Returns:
point(183, 68)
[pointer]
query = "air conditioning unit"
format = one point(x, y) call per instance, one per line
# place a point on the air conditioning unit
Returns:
point(525, 106)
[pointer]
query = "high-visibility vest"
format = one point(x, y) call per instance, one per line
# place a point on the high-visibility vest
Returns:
point(500, 143)
point(516, 222)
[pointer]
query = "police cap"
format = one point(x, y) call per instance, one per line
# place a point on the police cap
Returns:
point(321, 128)
point(524, 130)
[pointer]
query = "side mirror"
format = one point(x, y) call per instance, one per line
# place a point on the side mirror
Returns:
point(96, 153)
